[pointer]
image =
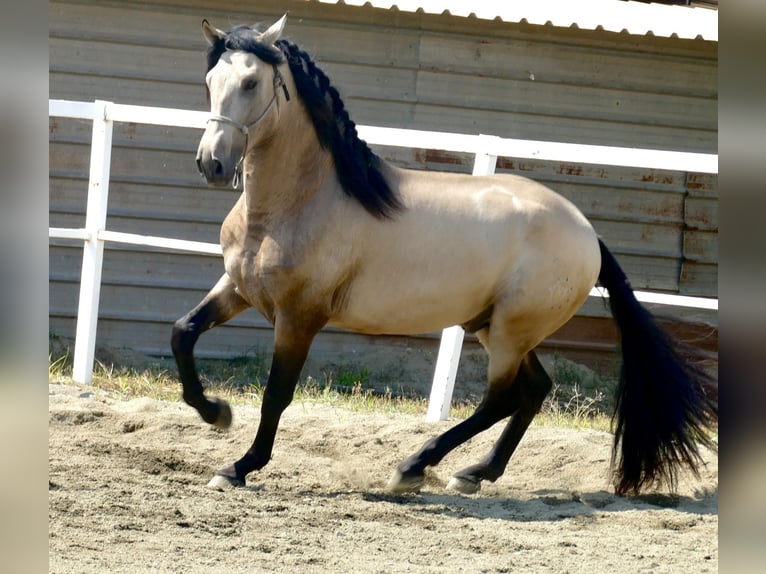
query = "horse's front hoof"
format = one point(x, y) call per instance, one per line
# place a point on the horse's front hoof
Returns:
point(400, 483)
point(223, 419)
point(221, 483)
point(464, 485)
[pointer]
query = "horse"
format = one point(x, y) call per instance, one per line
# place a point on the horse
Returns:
point(325, 232)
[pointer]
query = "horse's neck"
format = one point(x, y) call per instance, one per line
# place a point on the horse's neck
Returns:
point(284, 173)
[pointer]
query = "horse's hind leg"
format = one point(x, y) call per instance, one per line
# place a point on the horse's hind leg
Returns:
point(530, 388)
point(219, 305)
point(501, 399)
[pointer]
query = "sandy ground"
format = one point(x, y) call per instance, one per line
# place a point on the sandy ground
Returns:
point(127, 494)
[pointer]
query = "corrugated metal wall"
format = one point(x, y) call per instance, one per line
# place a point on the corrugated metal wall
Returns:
point(393, 69)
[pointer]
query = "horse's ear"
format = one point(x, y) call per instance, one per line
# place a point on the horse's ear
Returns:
point(274, 33)
point(211, 33)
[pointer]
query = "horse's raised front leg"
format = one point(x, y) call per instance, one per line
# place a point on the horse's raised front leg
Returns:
point(219, 305)
point(533, 385)
point(292, 340)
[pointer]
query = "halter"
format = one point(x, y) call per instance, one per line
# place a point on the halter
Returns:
point(279, 82)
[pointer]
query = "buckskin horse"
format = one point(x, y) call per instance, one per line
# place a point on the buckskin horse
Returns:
point(327, 233)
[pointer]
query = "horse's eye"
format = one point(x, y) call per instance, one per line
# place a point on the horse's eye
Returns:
point(249, 84)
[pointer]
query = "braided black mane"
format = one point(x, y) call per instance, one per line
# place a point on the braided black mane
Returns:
point(355, 163)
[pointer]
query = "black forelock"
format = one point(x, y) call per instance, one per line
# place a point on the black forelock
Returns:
point(241, 38)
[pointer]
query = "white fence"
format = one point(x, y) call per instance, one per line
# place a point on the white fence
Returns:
point(486, 149)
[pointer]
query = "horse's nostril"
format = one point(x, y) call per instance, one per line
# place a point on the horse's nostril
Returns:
point(199, 165)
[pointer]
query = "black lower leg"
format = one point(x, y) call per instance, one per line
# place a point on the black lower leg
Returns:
point(533, 385)
point(497, 404)
point(185, 334)
point(222, 303)
point(493, 465)
point(275, 401)
point(285, 371)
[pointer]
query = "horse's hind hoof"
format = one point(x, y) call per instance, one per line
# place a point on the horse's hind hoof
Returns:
point(221, 483)
point(223, 419)
point(401, 483)
point(464, 485)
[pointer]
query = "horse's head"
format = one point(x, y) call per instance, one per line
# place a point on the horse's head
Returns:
point(245, 86)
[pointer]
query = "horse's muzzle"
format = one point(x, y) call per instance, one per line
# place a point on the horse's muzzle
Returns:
point(214, 171)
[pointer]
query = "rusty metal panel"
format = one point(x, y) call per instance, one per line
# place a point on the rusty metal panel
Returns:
point(699, 269)
point(701, 246)
point(701, 213)
point(699, 279)
point(702, 185)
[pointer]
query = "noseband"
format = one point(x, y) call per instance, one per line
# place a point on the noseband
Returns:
point(279, 82)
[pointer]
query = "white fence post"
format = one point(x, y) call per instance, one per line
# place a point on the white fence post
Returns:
point(93, 252)
point(444, 374)
point(452, 337)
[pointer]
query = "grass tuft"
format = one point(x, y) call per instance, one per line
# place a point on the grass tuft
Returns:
point(575, 410)
point(241, 382)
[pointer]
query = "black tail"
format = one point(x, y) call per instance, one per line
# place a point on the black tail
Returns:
point(664, 405)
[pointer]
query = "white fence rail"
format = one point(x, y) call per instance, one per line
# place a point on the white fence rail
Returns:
point(486, 149)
